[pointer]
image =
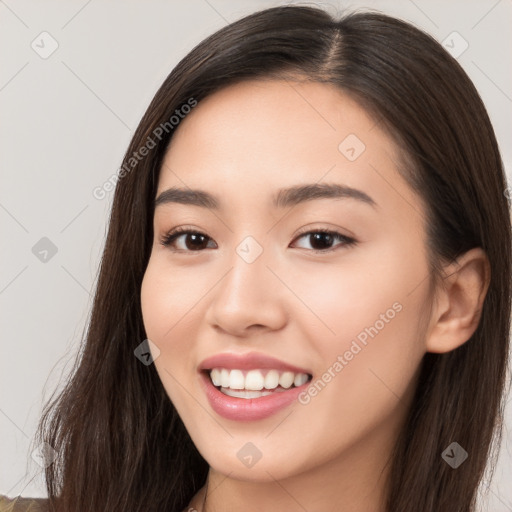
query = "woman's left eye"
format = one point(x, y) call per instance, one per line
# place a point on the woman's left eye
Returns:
point(194, 241)
point(324, 238)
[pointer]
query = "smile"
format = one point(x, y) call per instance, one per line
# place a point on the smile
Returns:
point(255, 383)
point(251, 386)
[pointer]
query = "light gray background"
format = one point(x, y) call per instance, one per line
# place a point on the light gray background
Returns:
point(65, 123)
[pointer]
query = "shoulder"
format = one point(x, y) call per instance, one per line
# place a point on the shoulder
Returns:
point(21, 504)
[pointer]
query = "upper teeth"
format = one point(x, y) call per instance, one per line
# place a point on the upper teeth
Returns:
point(256, 379)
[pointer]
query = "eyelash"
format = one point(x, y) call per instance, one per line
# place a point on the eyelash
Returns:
point(168, 238)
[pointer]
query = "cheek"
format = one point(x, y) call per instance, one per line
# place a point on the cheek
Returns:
point(170, 296)
point(367, 330)
point(168, 300)
point(164, 306)
point(364, 291)
point(364, 376)
point(157, 303)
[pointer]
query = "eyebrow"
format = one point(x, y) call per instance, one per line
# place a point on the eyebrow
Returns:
point(282, 199)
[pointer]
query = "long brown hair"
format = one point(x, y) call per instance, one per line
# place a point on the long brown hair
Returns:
point(120, 442)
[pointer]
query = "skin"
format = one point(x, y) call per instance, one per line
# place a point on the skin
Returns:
point(242, 144)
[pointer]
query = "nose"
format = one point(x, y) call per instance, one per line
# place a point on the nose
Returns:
point(250, 298)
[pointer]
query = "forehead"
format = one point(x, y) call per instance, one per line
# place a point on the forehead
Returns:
point(290, 118)
point(250, 139)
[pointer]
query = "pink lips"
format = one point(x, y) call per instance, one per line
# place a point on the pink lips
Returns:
point(248, 409)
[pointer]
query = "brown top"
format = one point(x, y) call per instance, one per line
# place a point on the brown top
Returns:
point(20, 504)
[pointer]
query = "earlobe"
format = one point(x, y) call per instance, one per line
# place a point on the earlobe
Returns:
point(459, 301)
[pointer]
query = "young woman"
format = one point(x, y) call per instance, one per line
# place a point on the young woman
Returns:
point(304, 297)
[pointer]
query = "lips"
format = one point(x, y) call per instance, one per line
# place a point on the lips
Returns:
point(241, 405)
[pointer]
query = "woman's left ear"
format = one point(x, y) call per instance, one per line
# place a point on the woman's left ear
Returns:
point(459, 300)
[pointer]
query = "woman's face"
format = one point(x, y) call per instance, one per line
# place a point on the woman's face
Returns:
point(260, 278)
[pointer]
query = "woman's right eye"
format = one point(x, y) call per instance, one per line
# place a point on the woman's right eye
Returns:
point(190, 240)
